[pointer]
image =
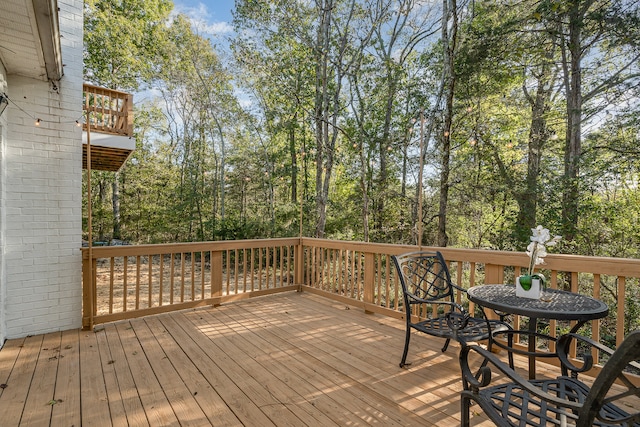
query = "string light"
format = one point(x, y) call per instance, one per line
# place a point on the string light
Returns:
point(37, 121)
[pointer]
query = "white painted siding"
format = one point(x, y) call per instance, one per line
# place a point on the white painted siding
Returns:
point(3, 210)
point(42, 199)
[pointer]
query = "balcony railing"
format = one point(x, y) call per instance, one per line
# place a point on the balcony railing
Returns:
point(110, 111)
point(129, 281)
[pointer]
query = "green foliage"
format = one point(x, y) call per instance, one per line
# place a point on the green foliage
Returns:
point(121, 38)
point(206, 168)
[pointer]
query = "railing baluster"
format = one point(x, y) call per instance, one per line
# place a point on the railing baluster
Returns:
point(124, 283)
point(620, 314)
point(172, 278)
point(161, 287)
point(244, 270)
point(192, 266)
point(150, 302)
point(111, 278)
point(252, 258)
point(202, 271)
point(235, 290)
point(137, 303)
point(595, 324)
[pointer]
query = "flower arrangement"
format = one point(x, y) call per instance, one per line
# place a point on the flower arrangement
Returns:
point(537, 250)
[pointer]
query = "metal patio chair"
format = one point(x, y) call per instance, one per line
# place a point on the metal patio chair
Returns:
point(426, 285)
point(562, 401)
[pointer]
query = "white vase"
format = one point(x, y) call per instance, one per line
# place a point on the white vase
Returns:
point(535, 292)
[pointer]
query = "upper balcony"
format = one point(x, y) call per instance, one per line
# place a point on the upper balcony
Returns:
point(110, 115)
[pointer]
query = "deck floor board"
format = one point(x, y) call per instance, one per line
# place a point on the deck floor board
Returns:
point(290, 359)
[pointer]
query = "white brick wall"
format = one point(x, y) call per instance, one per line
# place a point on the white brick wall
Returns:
point(3, 211)
point(42, 197)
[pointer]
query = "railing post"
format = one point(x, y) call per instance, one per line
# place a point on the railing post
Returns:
point(298, 264)
point(129, 114)
point(216, 277)
point(88, 307)
point(493, 274)
point(369, 279)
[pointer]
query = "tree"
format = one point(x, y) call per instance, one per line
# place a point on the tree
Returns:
point(600, 56)
point(449, 40)
point(199, 103)
point(121, 41)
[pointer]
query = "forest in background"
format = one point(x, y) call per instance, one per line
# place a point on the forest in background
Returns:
point(494, 116)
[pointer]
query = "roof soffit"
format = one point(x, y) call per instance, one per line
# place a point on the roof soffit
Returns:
point(30, 39)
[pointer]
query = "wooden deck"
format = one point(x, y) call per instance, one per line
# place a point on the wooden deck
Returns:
point(290, 359)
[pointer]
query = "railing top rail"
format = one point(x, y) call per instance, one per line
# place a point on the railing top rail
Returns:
point(627, 267)
point(157, 249)
point(92, 88)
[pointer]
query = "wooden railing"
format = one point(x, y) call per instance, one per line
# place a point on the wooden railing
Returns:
point(110, 111)
point(121, 282)
point(128, 281)
point(362, 274)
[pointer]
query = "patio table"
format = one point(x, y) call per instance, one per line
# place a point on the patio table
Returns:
point(554, 304)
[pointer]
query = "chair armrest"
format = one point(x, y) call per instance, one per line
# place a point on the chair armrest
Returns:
point(482, 378)
point(564, 343)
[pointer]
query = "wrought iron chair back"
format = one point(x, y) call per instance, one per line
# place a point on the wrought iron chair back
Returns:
point(429, 296)
point(425, 278)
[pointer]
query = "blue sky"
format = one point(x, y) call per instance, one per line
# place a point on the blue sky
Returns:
point(212, 17)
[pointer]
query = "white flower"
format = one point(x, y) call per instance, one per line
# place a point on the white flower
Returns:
point(537, 249)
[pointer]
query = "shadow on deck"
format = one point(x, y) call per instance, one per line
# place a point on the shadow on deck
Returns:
point(287, 359)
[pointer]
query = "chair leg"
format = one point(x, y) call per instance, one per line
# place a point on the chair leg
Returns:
point(465, 409)
point(404, 363)
point(510, 353)
point(446, 345)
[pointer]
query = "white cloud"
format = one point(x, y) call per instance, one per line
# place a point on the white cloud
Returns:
point(201, 20)
point(217, 28)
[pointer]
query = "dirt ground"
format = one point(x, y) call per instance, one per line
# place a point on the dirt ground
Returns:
point(188, 280)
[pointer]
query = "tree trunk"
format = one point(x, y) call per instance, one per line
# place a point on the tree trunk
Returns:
point(449, 16)
point(294, 159)
point(538, 135)
point(573, 140)
point(321, 113)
